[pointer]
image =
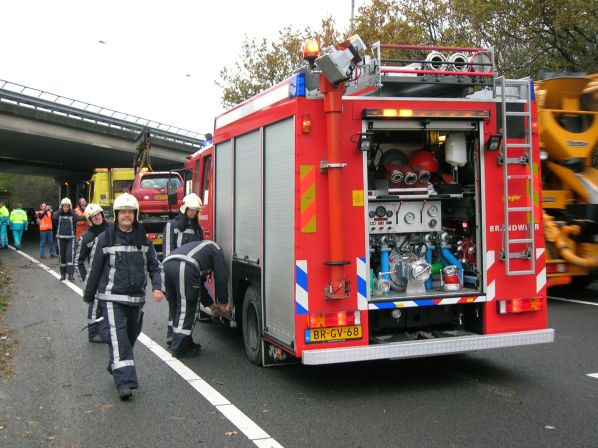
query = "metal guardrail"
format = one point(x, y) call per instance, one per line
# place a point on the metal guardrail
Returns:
point(21, 95)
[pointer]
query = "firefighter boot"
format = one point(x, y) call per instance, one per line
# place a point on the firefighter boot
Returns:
point(62, 277)
point(97, 339)
point(125, 393)
point(71, 278)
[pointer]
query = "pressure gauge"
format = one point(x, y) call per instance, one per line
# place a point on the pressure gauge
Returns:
point(380, 212)
point(409, 217)
point(432, 211)
point(389, 213)
point(372, 214)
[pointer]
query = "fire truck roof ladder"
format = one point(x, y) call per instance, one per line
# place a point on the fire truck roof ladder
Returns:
point(514, 90)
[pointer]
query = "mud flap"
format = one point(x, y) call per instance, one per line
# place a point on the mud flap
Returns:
point(275, 356)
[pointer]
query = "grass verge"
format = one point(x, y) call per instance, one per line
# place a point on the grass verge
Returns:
point(8, 344)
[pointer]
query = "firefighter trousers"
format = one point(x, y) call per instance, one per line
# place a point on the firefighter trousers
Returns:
point(66, 250)
point(120, 327)
point(183, 286)
point(94, 312)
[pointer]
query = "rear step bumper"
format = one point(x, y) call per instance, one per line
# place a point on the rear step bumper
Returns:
point(415, 349)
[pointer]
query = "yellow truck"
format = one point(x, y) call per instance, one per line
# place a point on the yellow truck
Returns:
point(107, 184)
point(568, 130)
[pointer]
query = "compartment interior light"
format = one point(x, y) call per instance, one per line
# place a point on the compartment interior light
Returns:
point(424, 113)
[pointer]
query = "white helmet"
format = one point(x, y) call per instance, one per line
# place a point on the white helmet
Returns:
point(66, 201)
point(126, 201)
point(91, 210)
point(191, 201)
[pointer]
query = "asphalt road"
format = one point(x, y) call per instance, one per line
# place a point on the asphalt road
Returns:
point(61, 395)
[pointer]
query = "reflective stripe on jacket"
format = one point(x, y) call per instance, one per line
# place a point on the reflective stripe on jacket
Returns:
point(120, 265)
point(65, 224)
point(18, 216)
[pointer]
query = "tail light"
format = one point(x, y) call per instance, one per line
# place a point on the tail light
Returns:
point(514, 306)
point(336, 319)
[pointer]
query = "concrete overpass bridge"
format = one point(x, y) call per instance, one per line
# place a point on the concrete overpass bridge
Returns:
point(47, 134)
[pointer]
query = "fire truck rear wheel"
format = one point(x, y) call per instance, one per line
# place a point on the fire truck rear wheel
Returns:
point(252, 324)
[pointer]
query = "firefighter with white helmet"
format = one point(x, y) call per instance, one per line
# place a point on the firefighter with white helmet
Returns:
point(64, 223)
point(94, 215)
point(122, 259)
point(184, 228)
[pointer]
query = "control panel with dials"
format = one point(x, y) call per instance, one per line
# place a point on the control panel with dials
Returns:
point(404, 217)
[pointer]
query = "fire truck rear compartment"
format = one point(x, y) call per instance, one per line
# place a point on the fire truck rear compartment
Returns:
point(423, 232)
point(408, 324)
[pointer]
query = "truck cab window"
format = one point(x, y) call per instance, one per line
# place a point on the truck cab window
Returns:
point(205, 180)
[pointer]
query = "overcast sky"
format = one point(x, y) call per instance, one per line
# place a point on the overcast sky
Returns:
point(150, 48)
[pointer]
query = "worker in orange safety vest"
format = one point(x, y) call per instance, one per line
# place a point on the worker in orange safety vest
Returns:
point(46, 237)
point(82, 225)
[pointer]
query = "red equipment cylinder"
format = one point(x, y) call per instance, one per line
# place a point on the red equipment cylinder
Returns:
point(338, 287)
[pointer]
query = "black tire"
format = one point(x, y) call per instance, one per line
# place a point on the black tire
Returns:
point(252, 326)
point(581, 282)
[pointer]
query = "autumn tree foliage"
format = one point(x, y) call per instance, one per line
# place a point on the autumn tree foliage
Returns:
point(529, 36)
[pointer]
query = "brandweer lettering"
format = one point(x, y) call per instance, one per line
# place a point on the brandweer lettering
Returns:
point(512, 227)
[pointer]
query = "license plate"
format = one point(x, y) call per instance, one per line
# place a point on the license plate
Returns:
point(157, 240)
point(332, 334)
point(161, 197)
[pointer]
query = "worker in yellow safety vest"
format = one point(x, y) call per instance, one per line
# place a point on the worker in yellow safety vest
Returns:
point(18, 224)
point(3, 225)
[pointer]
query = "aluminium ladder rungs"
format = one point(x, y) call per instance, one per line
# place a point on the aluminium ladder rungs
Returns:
point(519, 209)
point(523, 92)
point(519, 177)
point(518, 145)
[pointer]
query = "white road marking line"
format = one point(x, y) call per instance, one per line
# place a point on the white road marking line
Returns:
point(574, 301)
point(593, 375)
point(247, 426)
point(50, 271)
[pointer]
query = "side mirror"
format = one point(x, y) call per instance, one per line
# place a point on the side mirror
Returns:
point(172, 192)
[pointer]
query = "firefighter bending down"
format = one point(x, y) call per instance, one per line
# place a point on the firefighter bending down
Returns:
point(183, 229)
point(122, 259)
point(94, 215)
point(186, 269)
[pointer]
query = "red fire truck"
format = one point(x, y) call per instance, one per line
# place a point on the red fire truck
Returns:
point(380, 204)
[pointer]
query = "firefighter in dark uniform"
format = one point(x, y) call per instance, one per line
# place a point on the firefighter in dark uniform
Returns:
point(94, 214)
point(123, 258)
point(183, 229)
point(185, 269)
point(64, 222)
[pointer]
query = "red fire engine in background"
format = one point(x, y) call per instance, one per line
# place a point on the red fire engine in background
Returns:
point(380, 204)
